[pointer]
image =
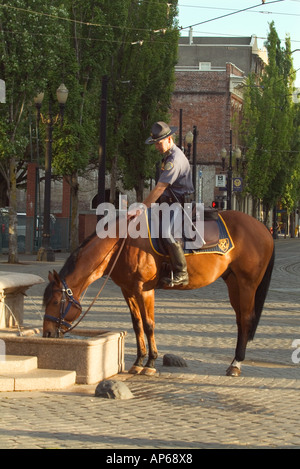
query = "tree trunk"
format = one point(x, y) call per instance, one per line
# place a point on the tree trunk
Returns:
point(4, 202)
point(12, 235)
point(74, 239)
point(139, 189)
point(113, 180)
point(292, 224)
point(266, 214)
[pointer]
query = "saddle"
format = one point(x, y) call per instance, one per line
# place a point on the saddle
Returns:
point(211, 233)
point(211, 229)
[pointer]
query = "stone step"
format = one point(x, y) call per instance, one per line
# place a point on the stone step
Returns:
point(20, 373)
point(37, 380)
point(17, 364)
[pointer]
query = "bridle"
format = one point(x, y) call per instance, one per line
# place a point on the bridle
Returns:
point(67, 296)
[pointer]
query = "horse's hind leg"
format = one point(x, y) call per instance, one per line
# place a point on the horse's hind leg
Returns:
point(242, 298)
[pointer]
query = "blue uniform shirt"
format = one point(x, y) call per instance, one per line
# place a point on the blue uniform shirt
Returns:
point(176, 171)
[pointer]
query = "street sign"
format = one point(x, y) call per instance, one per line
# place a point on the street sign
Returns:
point(237, 184)
point(220, 180)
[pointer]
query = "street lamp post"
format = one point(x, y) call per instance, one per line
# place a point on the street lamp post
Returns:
point(229, 175)
point(45, 252)
point(102, 146)
point(189, 140)
point(237, 154)
point(195, 133)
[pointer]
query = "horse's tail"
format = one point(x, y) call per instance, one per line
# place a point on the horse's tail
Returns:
point(261, 294)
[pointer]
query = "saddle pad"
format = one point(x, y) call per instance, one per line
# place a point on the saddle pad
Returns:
point(223, 246)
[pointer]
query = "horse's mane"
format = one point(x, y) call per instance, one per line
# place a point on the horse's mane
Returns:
point(70, 263)
point(67, 268)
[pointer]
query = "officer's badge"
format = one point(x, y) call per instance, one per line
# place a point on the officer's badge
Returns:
point(169, 165)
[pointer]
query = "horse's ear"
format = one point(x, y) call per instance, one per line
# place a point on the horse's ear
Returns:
point(50, 277)
point(54, 277)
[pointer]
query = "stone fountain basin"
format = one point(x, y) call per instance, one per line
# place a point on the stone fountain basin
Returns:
point(93, 354)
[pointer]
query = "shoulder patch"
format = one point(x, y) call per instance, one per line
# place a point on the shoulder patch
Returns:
point(169, 165)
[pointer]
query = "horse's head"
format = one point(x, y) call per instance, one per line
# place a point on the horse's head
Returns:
point(61, 308)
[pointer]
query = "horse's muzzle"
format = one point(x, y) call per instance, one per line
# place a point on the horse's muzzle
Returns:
point(50, 330)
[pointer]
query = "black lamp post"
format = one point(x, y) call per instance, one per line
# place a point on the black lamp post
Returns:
point(195, 133)
point(102, 146)
point(189, 141)
point(45, 252)
point(237, 153)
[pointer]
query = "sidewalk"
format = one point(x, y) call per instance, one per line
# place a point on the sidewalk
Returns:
point(178, 408)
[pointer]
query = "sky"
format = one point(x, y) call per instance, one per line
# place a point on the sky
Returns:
point(254, 21)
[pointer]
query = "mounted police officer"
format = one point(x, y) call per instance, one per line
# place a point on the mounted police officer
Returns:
point(174, 183)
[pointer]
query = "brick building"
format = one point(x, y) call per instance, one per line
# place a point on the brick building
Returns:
point(210, 75)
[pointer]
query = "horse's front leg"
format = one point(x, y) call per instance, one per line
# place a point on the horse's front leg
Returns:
point(141, 305)
point(137, 324)
point(146, 304)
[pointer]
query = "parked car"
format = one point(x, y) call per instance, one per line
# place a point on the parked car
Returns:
point(21, 230)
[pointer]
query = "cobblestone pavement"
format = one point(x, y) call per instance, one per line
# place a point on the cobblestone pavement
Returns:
point(178, 408)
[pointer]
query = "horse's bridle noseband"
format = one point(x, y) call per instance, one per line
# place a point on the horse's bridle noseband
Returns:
point(67, 295)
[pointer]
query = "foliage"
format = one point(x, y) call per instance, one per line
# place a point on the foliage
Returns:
point(46, 43)
point(153, 78)
point(23, 64)
point(267, 128)
point(28, 49)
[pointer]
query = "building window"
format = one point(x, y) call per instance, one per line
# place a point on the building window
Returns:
point(204, 66)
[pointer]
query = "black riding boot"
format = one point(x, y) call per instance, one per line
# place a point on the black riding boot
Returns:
point(180, 274)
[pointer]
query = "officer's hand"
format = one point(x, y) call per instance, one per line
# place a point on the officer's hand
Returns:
point(135, 211)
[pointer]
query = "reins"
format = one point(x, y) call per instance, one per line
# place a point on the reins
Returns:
point(101, 289)
point(60, 320)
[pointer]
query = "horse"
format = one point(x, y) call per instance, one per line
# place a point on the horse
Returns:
point(135, 267)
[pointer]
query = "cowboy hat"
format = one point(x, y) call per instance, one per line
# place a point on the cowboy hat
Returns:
point(160, 131)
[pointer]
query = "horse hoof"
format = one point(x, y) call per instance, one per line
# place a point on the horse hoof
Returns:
point(233, 371)
point(148, 371)
point(135, 370)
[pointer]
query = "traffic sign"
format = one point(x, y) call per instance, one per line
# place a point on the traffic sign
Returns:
point(220, 180)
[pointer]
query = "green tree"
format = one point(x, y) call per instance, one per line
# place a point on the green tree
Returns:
point(75, 144)
point(45, 43)
point(267, 128)
point(153, 79)
point(291, 196)
point(27, 55)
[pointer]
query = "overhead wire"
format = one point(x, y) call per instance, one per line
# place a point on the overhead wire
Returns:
point(71, 20)
point(235, 10)
point(140, 41)
point(87, 23)
point(230, 14)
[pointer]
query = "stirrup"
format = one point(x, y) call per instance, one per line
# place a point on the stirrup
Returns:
point(170, 281)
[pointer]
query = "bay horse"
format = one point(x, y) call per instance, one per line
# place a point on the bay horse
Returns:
point(246, 270)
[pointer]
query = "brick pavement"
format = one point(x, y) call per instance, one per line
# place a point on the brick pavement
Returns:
point(188, 408)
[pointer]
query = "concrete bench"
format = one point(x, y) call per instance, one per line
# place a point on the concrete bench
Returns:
point(12, 290)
